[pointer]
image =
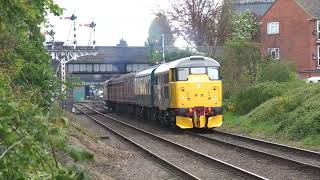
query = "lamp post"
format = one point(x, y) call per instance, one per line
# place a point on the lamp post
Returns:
point(163, 56)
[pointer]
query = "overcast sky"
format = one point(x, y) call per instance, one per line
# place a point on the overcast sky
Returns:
point(115, 19)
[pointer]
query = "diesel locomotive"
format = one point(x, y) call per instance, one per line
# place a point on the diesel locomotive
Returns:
point(186, 93)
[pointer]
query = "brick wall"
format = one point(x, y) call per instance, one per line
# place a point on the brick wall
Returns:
point(295, 40)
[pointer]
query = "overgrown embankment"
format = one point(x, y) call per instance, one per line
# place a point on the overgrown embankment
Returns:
point(264, 98)
point(32, 126)
point(284, 112)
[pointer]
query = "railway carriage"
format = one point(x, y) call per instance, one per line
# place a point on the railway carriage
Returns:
point(119, 93)
point(186, 93)
point(106, 91)
point(144, 91)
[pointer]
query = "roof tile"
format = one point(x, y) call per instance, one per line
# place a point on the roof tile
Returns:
point(312, 7)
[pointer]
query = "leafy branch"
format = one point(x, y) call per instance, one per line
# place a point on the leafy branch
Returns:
point(11, 147)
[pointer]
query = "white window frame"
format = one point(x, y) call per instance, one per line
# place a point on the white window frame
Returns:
point(318, 48)
point(271, 26)
point(318, 30)
point(275, 50)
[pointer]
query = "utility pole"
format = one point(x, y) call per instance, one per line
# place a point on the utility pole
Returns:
point(163, 56)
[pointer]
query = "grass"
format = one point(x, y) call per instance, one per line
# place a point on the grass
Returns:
point(290, 117)
point(267, 130)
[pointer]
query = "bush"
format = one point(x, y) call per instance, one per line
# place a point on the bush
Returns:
point(31, 125)
point(239, 66)
point(277, 71)
point(252, 97)
point(296, 114)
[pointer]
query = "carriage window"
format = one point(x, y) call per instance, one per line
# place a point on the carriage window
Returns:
point(198, 70)
point(166, 78)
point(155, 80)
point(183, 74)
point(213, 73)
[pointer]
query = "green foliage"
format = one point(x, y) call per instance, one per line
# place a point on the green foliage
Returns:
point(176, 53)
point(31, 125)
point(245, 25)
point(23, 128)
point(253, 96)
point(294, 114)
point(277, 71)
point(72, 173)
point(239, 66)
point(79, 154)
point(160, 25)
point(225, 22)
point(22, 18)
point(171, 55)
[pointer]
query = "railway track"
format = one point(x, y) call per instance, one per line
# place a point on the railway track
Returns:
point(187, 162)
point(310, 159)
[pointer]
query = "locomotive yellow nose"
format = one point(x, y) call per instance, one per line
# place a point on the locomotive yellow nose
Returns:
point(198, 122)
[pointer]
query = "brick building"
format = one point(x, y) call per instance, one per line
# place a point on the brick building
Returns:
point(290, 30)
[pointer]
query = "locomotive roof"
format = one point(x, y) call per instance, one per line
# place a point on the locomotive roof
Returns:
point(108, 80)
point(122, 77)
point(146, 71)
point(192, 61)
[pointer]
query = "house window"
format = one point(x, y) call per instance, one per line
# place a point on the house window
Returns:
point(274, 53)
point(273, 28)
point(318, 56)
point(318, 29)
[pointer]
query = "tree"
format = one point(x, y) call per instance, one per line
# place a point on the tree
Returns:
point(31, 126)
point(244, 25)
point(239, 65)
point(159, 26)
point(278, 71)
point(196, 21)
point(176, 53)
point(225, 22)
point(122, 43)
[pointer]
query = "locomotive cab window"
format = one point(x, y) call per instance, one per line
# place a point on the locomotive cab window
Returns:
point(213, 73)
point(182, 74)
point(198, 70)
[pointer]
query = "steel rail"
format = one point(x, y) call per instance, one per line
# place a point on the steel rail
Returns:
point(307, 153)
point(209, 139)
point(196, 153)
point(159, 159)
point(296, 150)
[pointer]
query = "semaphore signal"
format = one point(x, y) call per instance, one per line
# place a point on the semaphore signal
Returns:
point(63, 54)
